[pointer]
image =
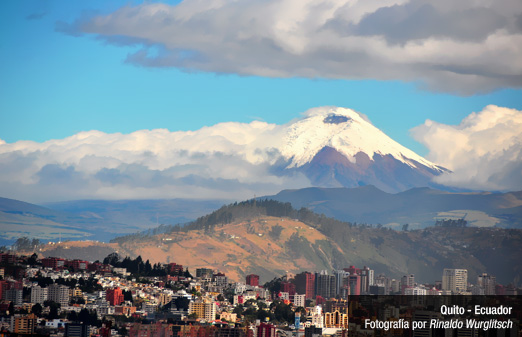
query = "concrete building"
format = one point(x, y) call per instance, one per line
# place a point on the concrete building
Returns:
point(300, 300)
point(203, 309)
point(38, 294)
point(252, 280)
point(488, 283)
point(325, 285)
point(455, 280)
point(58, 293)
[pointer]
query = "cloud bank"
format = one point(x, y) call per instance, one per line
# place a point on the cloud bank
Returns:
point(484, 151)
point(464, 46)
point(237, 160)
point(224, 161)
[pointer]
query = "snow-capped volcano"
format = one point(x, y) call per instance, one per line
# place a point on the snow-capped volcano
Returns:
point(340, 147)
point(346, 131)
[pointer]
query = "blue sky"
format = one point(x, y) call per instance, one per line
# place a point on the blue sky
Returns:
point(54, 85)
point(122, 99)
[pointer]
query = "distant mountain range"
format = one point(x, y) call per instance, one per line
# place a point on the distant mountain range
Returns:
point(418, 207)
point(104, 220)
point(94, 219)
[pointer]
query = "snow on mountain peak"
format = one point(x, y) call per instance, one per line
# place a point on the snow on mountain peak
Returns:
point(344, 130)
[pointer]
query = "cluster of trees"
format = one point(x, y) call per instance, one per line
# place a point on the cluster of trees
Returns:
point(278, 311)
point(88, 285)
point(137, 267)
point(451, 223)
point(25, 244)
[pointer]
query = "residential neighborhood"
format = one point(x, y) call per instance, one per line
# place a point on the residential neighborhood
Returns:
point(54, 296)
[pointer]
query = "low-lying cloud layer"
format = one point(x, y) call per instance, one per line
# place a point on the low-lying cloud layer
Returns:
point(464, 46)
point(236, 160)
point(225, 161)
point(484, 151)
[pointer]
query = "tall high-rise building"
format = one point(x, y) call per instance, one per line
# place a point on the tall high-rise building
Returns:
point(488, 283)
point(408, 281)
point(114, 296)
point(252, 280)
point(58, 293)
point(367, 279)
point(305, 284)
point(340, 276)
point(455, 280)
point(38, 295)
point(354, 284)
point(289, 288)
point(325, 285)
point(14, 295)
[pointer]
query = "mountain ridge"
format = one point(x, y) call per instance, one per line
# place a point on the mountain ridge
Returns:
point(271, 238)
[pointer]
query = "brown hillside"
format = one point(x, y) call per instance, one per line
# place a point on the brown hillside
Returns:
point(236, 249)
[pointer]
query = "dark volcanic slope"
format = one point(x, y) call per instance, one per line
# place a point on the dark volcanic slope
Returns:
point(330, 168)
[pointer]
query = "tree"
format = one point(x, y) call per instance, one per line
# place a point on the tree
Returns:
point(112, 259)
point(405, 227)
point(275, 232)
point(37, 309)
point(32, 260)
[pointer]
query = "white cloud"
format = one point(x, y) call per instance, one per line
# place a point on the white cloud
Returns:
point(484, 151)
point(237, 160)
point(224, 161)
point(462, 46)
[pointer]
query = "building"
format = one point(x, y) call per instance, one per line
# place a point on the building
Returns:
point(266, 330)
point(14, 295)
point(367, 279)
point(316, 317)
point(455, 280)
point(220, 279)
point(77, 265)
point(325, 285)
point(340, 276)
point(300, 300)
point(288, 287)
point(203, 309)
point(25, 324)
point(176, 269)
point(354, 284)
point(204, 272)
point(305, 284)
point(77, 330)
point(415, 291)
point(488, 283)
point(114, 296)
point(38, 295)
point(58, 293)
point(377, 290)
point(335, 319)
point(252, 280)
point(53, 262)
point(408, 281)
